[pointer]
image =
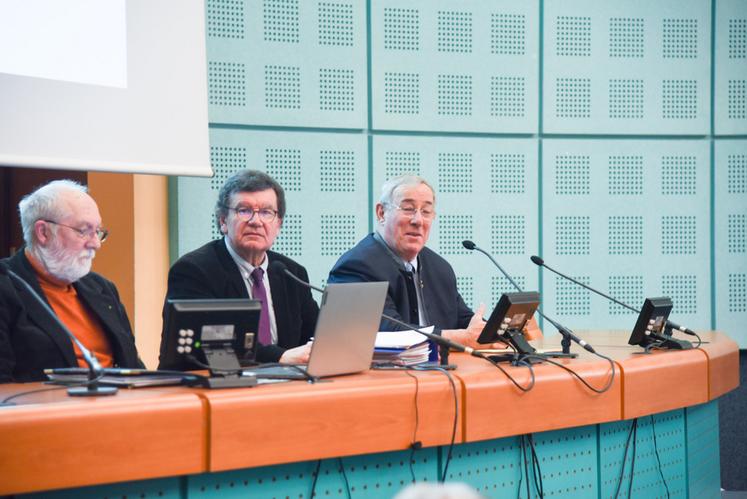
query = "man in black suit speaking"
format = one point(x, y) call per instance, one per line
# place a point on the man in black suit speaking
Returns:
point(422, 285)
point(249, 213)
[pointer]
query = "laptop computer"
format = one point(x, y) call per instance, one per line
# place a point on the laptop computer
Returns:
point(345, 333)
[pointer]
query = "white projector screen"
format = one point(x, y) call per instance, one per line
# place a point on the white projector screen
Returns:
point(104, 85)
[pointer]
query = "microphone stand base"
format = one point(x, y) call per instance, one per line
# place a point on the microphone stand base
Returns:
point(560, 355)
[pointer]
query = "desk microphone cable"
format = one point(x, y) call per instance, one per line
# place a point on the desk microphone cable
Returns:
point(606, 387)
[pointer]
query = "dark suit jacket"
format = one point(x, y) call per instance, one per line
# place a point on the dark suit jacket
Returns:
point(31, 341)
point(210, 272)
point(371, 260)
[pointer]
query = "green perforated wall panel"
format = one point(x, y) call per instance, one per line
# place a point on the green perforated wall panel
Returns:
point(632, 67)
point(454, 66)
point(703, 450)
point(730, 83)
point(730, 229)
point(628, 217)
point(486, 192)
point(162, 488)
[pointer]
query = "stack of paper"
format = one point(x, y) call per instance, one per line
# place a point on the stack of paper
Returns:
point(404, 348)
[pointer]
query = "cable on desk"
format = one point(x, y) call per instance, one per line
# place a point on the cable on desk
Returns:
point(415, 445)
point(59, 387)
point(516, 383)
point(239, 372)
point(633, 431)
point(658, 460)
point(456, 414)
point(574, 373)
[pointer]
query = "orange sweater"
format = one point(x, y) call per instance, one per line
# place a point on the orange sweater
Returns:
point(75, 315)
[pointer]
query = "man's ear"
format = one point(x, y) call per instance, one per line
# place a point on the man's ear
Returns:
point(42, 232)
point(380, 212)
point(222, 225)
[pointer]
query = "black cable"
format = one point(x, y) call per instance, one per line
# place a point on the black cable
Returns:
point(456, 414)
point(294, 367)
point(536, 470)
point(315, 475)
point(59, 387)
point(658, 460)
point(414, 445)
point(625, 456)
point(516, 383)
point(240, 371)
point(574, 373)
point(526, 465)
point(344, 476)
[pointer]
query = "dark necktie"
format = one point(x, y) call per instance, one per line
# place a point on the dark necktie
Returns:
point(260, 293)
point(412, 295)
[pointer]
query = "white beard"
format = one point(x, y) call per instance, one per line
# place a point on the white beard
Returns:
point(65, 265)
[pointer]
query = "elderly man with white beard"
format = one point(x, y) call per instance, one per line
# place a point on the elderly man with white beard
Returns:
point(62, 231)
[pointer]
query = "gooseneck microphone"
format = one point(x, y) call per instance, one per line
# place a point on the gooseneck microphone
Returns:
point(439, 340)
point(541, 263)
point(567, 333)
point(95, 371)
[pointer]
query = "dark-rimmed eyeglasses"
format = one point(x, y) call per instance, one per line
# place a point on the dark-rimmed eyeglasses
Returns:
point(266, 215)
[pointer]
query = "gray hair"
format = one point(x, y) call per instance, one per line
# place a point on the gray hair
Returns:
point(247, 181)
point(390, 187)
point(43, 204)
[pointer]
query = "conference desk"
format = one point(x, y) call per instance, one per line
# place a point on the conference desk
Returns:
point(268, 440)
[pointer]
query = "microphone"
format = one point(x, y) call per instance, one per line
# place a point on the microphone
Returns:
point(439, 340)
point(95, 370)
point(567, 333)
point(541, 263)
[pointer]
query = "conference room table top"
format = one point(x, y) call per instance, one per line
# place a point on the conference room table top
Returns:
point(52, 441)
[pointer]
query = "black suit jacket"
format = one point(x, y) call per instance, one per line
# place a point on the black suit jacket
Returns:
point(31, 341)
point(371, 260)
point(210, 272)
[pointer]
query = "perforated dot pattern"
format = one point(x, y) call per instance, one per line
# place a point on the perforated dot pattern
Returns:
point(225, 161)
point(454, 31)
point(683, 290)
point(626, 99)
point(627, 289)
point(737, 293)
point(626, 37)
point(678, 175)
point(337, 171)
point(508, 234)
point(338, 234)
point(736, 173)
point(500, 285)
point(284, 165)
point(336, 89)
point(507, 96)
point(737, 233)
point(227, 83)
point(508, 173)
point(568, 462)
point(678, 234)
point(737, 100)
point(280, 21)
point(680, 38)
point(283, 87)
point(401, 29)
point(452, 230)
point(572, 175)
point(737, 38)
point(498, 471)
point(336, 24)
point(573, 97)
point(466, 287)
point(401, 162)
point(571, 299)
point(402, 93)
point(454, 95)
point(625, 235)
point(679, 99)
point(508, 34)
point(625, 175)
point(225, 18)
point(573, 36)
point(290, 239)
point(572, 235)
point(455, 172)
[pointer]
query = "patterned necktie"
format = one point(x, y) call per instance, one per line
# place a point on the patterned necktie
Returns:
point(259, 293)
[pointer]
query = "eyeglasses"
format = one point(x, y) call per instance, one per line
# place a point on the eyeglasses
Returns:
point(427, 213)
point(101, 233)
point(266, 215)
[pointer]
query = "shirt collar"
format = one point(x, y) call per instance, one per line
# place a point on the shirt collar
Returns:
point(245, 267)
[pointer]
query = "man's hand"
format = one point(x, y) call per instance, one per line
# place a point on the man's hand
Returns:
point(468, 337)
point(298, 355)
